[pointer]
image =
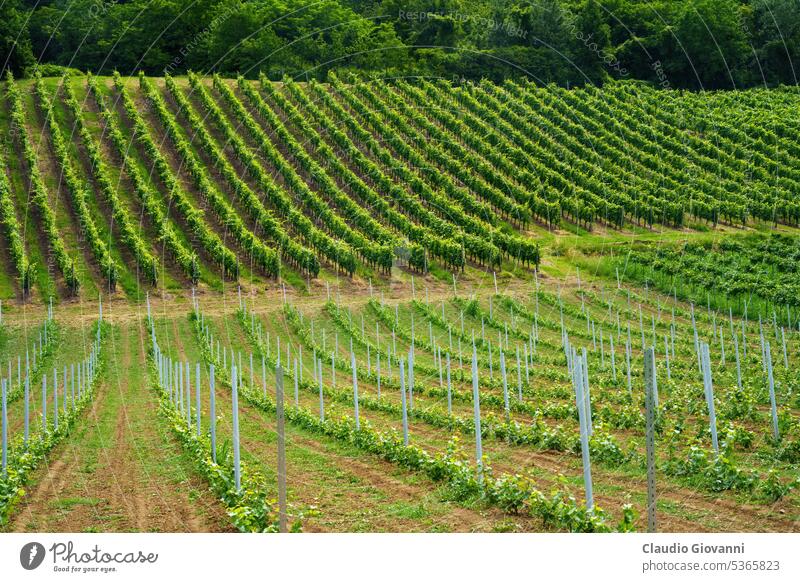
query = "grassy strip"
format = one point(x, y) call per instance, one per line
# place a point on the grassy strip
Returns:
point(49, 349)
point(249, 508)
point(511, 493)
point(603, 446)
point(698, 468)
point(38, 190)
point(26, 271)
point(122, 219)
point(77, 189)
point(22, 459)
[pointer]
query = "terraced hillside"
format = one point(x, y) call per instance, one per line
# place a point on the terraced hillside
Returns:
point(126, 184)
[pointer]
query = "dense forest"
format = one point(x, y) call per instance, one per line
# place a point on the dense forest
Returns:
point(675, 43)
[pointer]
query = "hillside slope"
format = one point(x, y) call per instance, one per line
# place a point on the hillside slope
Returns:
point(131, 183)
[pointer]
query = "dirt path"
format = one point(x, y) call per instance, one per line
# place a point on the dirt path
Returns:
point(338, 487)
point(120, 470)
point(683, 508)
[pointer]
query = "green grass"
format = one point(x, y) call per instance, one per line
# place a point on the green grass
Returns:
point(101, 216)
point(69, 502)
point(64, 220)
point(409, 510)
point(30, 231)
point(208, 275)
